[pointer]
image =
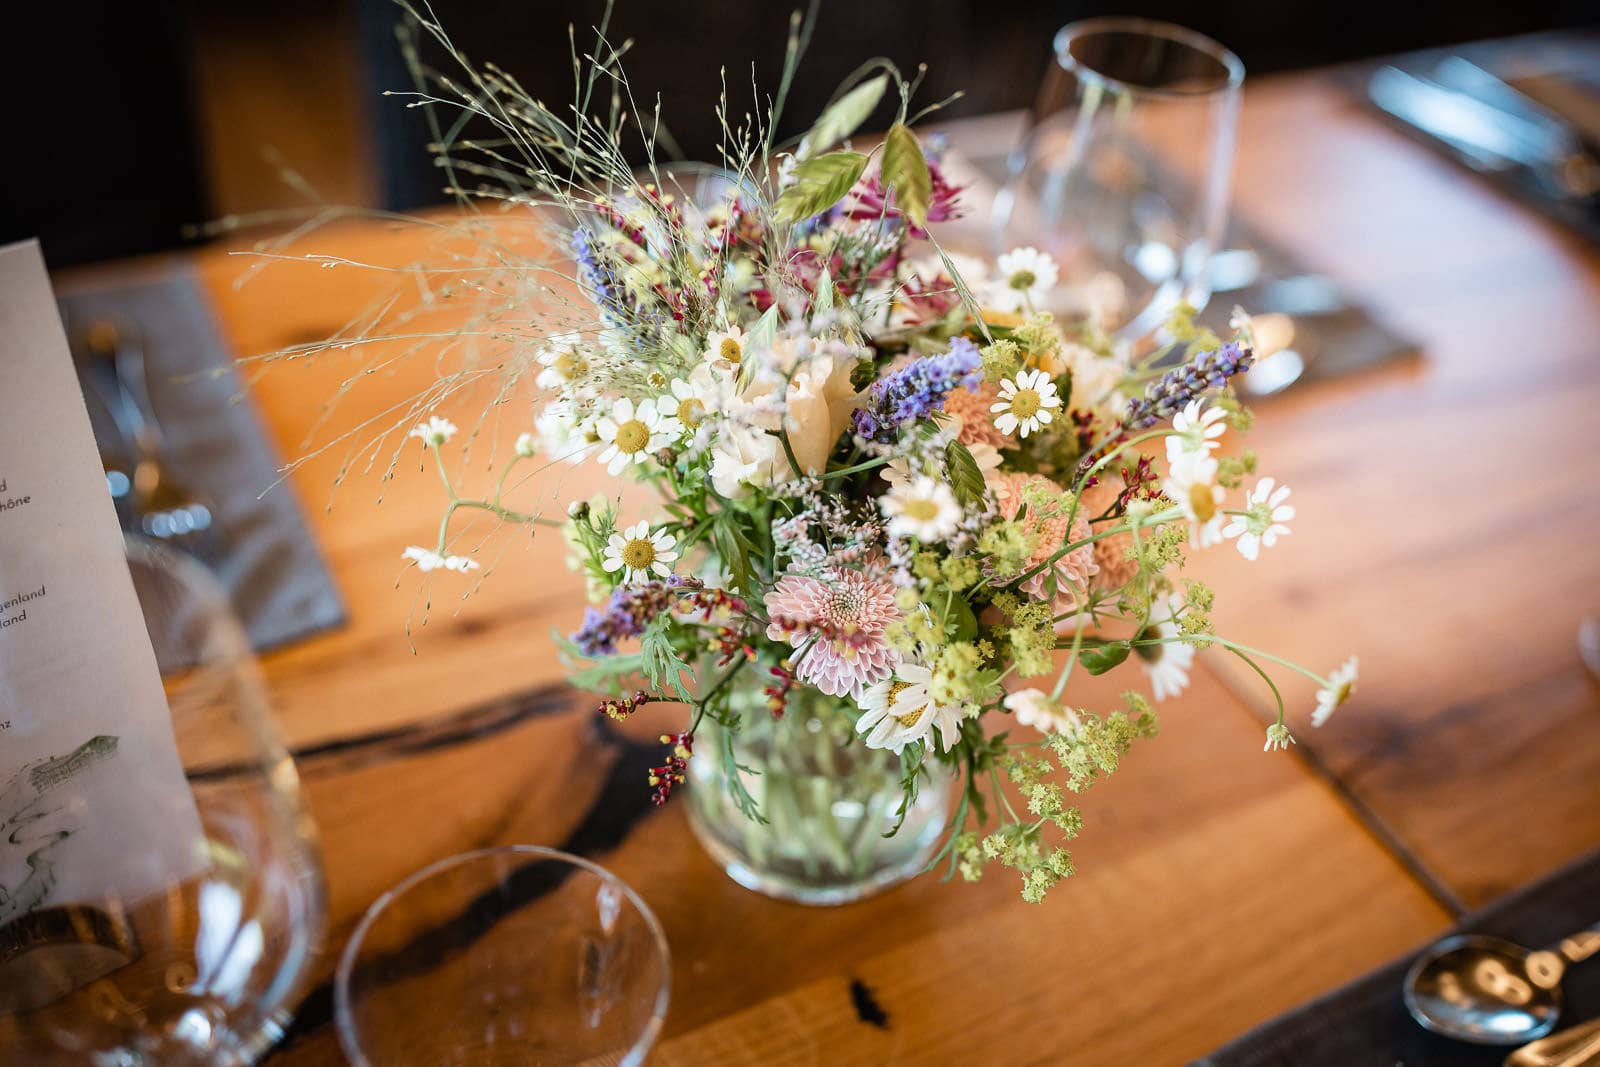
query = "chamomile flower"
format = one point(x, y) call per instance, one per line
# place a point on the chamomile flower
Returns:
point(899, 710)
point(922, 508)
point(725, 349)
point(1191, 483)
point(1264, 520)
point(435, 432)
point(638, 553)
point(1166, 665)
point(565, 433)
point(1278, 737)
point(1025, 404)
point(690, 401)
point(1032, 707)
point(427, 559)
point(527, 445)
point(563, 361)
point(1341, 683)
point(633, 433)
point(1023, 277)
point(1196, 431)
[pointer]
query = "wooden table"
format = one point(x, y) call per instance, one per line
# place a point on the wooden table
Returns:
point(1447, 522)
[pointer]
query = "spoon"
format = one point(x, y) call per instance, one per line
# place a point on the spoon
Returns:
point(1492, 992)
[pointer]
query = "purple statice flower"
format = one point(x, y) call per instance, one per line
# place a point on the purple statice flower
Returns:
point(917, 390)
point(1166, 396)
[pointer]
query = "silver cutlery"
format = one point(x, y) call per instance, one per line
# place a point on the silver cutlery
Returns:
point(1572, 1047)
point(162, 507)
point(1490, 991)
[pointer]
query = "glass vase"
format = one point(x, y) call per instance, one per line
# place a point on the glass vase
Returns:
point(826, 801)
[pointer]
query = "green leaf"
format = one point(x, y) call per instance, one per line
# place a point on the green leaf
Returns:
point(843, 117)
point(823, 303)
point(662, 663)
point(966, 478)
point(819, 184)
point(1102, 659)
point(905, 172)
point(962, 622)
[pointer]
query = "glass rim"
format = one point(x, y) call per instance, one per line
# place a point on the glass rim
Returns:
point(342, 1013)
point(1232, 66)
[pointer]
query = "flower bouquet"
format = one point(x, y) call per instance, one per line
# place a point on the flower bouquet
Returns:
point(898, 507)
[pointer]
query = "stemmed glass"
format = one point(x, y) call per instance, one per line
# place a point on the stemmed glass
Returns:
point(516, 956)
point(1124, 169)
point(207, 968)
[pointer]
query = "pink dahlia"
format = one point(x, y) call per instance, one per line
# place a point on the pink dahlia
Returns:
point(846, 618)
point(970, 407)
point(1073, 570)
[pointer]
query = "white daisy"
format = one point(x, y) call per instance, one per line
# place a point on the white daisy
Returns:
point(638, 553)
point(1191, 483)
point(690, 401)
point(1026, 404)
point(899, 710)
point(1196, 431)
point(434, 432)
point(1263, 522)
point(633, 433)
point(1341, 683)
point(725, 349)
point(565, 433)
point(563, 361)
point(527, 445)
point(921, 508)
point(1033, 708)
point(427, 559)
point(1167, 665)
point(1023, 277)
point(1278, 737)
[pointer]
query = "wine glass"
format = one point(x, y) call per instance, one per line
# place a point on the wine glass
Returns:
point(1122, 175)
point(517, 955)
point(204, 962)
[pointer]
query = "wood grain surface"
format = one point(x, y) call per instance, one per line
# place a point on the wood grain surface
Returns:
point(1445, 534)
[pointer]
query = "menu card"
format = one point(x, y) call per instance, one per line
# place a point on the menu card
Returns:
point(95, 811)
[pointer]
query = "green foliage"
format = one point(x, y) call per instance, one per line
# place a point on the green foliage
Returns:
point(905, 173)
point(843, 117)
point(1105, 657)
point(819, 184)
point(966, 478)
point(661, 661)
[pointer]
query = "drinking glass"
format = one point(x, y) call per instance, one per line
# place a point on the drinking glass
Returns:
point(517, 955)
point(207, 968)
point(1122, 175)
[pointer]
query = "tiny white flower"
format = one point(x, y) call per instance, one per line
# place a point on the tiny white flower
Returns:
point(1191, 483)
point(564, 432)
point(1196, 431)
point(563, 361)
point(1278, 737)
point(1264, 521)
point(527, 445)
point(633, 433)
point(1240, 322)
point(1166, 665)
point(639, 553)
point(1023, 277)
point(900, 710)
point(1341, 683)
point(922, 508)
point(435, 432)
point(725, 348)
point(427, 559)
point(1033, 708)
point(1026, 404)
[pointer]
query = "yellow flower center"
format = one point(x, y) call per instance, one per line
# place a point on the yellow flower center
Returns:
point(691, 411)
point(570, 365)
point(1022, 279)
point(632, 436)
point(922, 510)
point(730, 350)
point(910, 718)
point(1202, 502)
point(638, 554)
point(1025, 404)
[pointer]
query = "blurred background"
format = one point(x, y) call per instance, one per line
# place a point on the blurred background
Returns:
point(134, 121)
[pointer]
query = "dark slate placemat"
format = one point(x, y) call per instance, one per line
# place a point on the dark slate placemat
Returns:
point(1365, 1023)
point(262, 551)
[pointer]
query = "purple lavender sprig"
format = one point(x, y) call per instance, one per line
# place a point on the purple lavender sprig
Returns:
point(917, 390)
point(1167, 396)
point(626, 614)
